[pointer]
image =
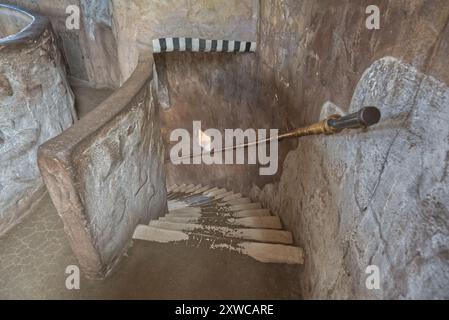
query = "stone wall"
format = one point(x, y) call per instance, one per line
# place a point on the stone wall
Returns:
point(144, 20)
point(105, 174)
point(375, 197)
point(312, 51)
point(36, 104)
point(378, 197)
point(91, 51)
point(103, 53)
point(218, 90)
point(213, 88)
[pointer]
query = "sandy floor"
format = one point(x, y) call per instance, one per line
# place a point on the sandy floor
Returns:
point(34, 257)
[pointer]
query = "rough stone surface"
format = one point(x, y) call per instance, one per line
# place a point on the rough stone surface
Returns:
point(91, 51)
point(308, 52)
point(105, 174)
point(313, 51)
point(215, 89)
point(36, 104)
point(104, 53)
point(379, 197)
point(144, 20)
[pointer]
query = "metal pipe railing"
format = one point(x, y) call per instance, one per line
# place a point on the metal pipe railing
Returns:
point(364, 118)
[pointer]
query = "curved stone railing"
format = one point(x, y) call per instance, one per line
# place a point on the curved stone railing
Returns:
point(105, 174)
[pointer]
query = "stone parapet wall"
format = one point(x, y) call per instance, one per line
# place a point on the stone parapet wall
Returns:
point(105, 175)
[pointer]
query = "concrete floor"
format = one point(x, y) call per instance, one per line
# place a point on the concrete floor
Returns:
point(35, 254)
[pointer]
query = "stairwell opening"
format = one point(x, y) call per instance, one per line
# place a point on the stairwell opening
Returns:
point(342, 206)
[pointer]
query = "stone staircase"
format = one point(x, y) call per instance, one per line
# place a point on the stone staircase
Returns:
point(221, 220)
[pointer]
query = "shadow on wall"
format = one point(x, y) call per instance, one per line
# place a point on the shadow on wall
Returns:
point(379, 197)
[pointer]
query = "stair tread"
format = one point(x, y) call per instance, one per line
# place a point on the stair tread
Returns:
point(210, 190)
point(251, 213)
point(149, 233)
point(216, 192)
point(273, 253)
point(185, 215)
point(193, 188)
point(172, 187)
point(248, 206)
point(262, 252)
point(262, 235)
point(263, 222)
point(174, 205)
point(222, 219)
point(222, 195)
point(234, 196)
point(202, 189)
point(234, 202)
point(186, 210)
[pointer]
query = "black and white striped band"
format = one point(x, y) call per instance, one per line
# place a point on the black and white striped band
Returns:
point(201, 45)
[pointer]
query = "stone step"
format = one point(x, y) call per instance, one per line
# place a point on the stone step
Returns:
point(246, 206)
point(232, 197)
point(210, 190)
point(184, 215)
point(188, 187)
point(201, 190)
point(221, 196)
point(237, 202)
point(194, 188)
point(158, 235)
point(211, 202)
point(174, 205)
point(262, 252)
point(260, 235)
point(272, 253)
point(178, 219)
point(171, 188)
point(187, 197)
point(271, 222)
point(261, 222)
point(185, 210)
point(175, 195)
point(197, 212)
point(199, 201)
point(216, 192)
point(179, 188)
point(251, 213)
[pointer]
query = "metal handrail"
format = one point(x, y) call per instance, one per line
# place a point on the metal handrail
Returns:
point(364, 118)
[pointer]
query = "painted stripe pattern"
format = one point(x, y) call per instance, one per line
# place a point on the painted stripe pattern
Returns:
point(201, 45)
